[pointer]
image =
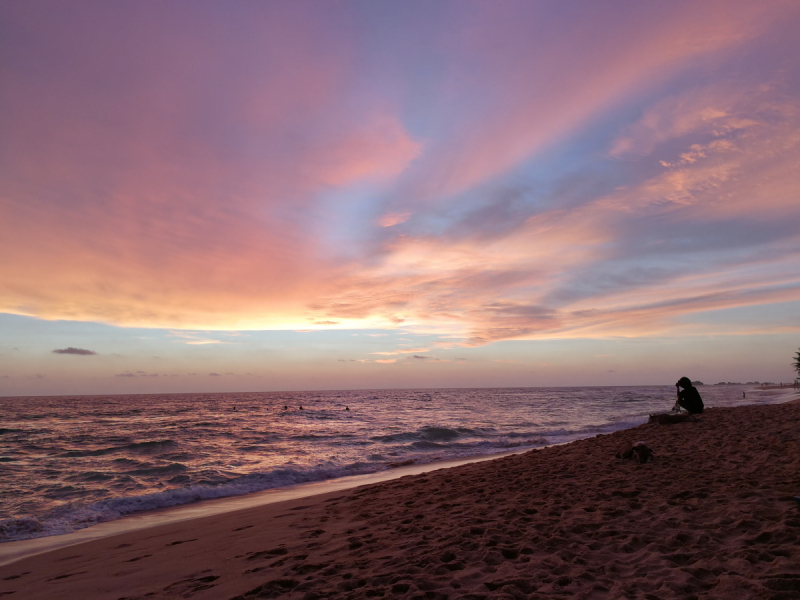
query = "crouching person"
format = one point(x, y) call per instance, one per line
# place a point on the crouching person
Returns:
point(688, 397)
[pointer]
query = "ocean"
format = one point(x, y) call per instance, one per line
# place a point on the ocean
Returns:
point(70, 462)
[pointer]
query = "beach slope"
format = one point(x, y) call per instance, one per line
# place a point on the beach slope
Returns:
point(712, 516)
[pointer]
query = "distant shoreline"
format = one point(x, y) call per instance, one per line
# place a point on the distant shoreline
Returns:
point(776, 387)
point(415, 389)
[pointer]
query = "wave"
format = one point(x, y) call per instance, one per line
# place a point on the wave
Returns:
point(68, 518)
point(71, 517)
point(478, 447)
point(163, 470)
point(23, 528)
point(149, 446)
point(316, 436)
point(428, 434)
point(426, 445)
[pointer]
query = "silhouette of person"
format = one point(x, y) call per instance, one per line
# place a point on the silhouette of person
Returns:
point(689, 398)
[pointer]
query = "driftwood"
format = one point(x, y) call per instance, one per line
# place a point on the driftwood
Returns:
point(670, 418)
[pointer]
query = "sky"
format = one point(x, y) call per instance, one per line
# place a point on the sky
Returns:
point(251, 196)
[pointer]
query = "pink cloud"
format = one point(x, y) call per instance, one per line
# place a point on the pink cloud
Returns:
point(542, 85)
point(192, 181)
point(158, 200)
point(749, 151)
point(392, 219)
point(378, 148)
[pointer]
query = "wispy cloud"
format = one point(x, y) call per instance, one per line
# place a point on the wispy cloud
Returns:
point(138, 374)
point(191, 338)
point(403, 351)
point(391, 219)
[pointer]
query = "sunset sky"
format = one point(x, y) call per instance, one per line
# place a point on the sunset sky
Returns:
point(231, 196)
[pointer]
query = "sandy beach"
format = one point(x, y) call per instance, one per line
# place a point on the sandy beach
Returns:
point(711, 516)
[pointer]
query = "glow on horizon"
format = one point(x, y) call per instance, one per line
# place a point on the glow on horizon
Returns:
point(557, 175)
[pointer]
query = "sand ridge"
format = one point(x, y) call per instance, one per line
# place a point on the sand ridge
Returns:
point(712, 516)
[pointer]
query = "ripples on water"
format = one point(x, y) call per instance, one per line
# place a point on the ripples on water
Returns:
point(70, 462)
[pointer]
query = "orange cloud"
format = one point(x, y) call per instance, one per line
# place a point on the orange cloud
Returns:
point(379, 148)
point(391, 219)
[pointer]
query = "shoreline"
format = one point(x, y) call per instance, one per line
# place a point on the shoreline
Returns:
point(15, 550)
point(705, 517)
point(380, 473)
point(168, 465)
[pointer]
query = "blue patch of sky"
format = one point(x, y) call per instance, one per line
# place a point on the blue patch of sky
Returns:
point(347, 218)
point(569, 173)
point(38, 335)
point(772, 315)
point(28, 343)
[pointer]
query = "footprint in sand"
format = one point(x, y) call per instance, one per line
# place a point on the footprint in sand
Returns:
point(139, 558)
point(65, 575)
point(181, 542)
point(190, 586)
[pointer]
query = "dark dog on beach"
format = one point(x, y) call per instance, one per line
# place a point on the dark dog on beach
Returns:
point(640, 451)
point(669, 419)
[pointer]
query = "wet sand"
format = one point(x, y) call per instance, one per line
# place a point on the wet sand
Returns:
point(712, 516)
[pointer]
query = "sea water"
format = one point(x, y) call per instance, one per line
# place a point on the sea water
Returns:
point(71, 462)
